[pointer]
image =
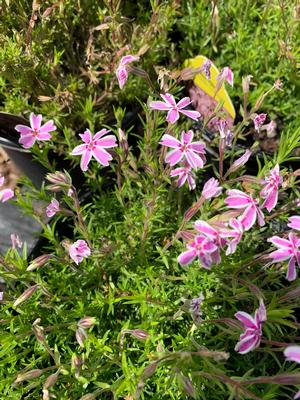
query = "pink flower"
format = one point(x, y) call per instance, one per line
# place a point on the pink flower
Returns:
point(15, 241)
point(288, 249)
point(236, 233)
point(184, 173)
point(239, 162)
point(79, 250)
point(35, 132)
point(206, 69)
point(212, 234)
point(250, 338)
point(122, 70)
point(240, 200)
point(95, 147)
point(211, 189)
point(270, 191)
point(194, 153)
point(292, 353)
point(169, 104)
point(294, 222)
point(200, 247)
point(52, 208)
point(5, 194)
point(226, 75)
point(258, 120)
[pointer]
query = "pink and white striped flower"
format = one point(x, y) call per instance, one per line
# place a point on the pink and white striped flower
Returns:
point(259, 120)
point(192, 152)
point(5, 194)
point(251, 337)
point(214, 235)
point(174, 109)
point(236, 233)
point(226, 75)
point(200, 247)
point(288, 249)
point(270, 190)
point(52, 208)
point(185, 174)
point(294, 222)
point(94, 146)
point(123, 70)
point(240, 200)
point(292, 353)
point(35, 132)
point(211, 189)
point(79, 250)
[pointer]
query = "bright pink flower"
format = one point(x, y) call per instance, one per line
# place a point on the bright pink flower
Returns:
point(94, 146)
point(270, 191)
point(200, 247)
point(184, 173)
point(5, 194)
point(239, 162)
point(15, 241)
point(258, 120)
point(240, 200)
point(236, 233)
point(122, 70)
point(226, 75)
point(294, 222)
point(211, 189)
point(35, 132)
point(250, 338)
point(79, 250)
point(169, 104)
point(192, 152)
point(214, 235)
point(52, 208)
point(288, 249)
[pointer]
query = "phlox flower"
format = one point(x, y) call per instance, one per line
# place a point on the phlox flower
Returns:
point(174, 109)
point(236, 233)
point(94, 146)
point(226, 75)
point(79, 250)
point(288, 249)
point(200, 247)
point(251, 337)
point(212, 234)
point(35, 132)
point(225, 132)
point(258, 121)
point(206, 69)
point(240, 200)
point(270, 190)
point(184, 173)
point(294, 222)
point(211, 189)
point(5, 194)
point(52, 208)
point(122, 70)
point(292, 353)
point(192, 152)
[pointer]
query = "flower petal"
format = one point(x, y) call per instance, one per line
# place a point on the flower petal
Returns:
point(6, 194)
point(27, 141)
point(187, 257)
point(291, 271)
point(172, 116)
point(159, 105)
point(246, 319)
point(23, 129)
point(173, 157)
point(247, 344)
point(195, 115)
point(170, 141)
point(35, 121)
point(79, 150)
point(107, 142)
point(184, 102)
point(85, 159)
point(102, 156)
point(47, 127)
point(292, 353)
point(169, 99)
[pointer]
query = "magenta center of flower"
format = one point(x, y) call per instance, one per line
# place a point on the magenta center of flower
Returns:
point(35, 132)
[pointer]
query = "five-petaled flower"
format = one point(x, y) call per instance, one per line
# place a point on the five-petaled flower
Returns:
point(251, 337)
point(240, 200)
point(200, 247)
point(270, 190)
point(79, 250)
point(192, 152)
point(184, 173)
point(52, 208)
point(235, 233)
point(288, 249)
point(94, 146)
point(169, 104)
point(35, 132)
point(123, 69)
point(5, 194)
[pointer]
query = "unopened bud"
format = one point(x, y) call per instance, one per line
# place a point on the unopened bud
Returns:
point(76, 361)
point(123, 141)
point(34, 373)
point(81, 336)
point(188, 74)
point(239, 162)
point(60, 181)
point(246, 83)
point(137, 333)
point(87, 322)
point(39, 262)
point(51, 380)
point(26, 295)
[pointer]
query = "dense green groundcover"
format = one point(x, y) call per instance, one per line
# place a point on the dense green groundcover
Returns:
point(58, 58)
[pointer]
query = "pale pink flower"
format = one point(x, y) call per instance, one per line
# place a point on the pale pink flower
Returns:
point(200, 247)
point(184, 173)
point(292, 353)
point(239, 162)
point(211, 189)
point(294, 222)
point(15, 241)
point(35, 132)
point(240, 200)
point(52, 208)
point(192, 152)
point(122, 70)
point(288, 249)
point(79, 250)
point(5, 194)
point(246, 83)
point(94, 146)
point(236, 233)
point(251, 337)
point(226, 75)
point(225, 132)
point(270, 128)
point(174, 109)
point(258, 120)
point(270, 190)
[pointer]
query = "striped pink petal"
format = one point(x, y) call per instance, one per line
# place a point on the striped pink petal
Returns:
point(184, 102)
point(170, 141)
point(173, 157)
point(6, 194)
point(292, 353)
point(195, 115)
point(246, 319)
point(85, 159)
point(169, 99)
point(291, 271)
point(187, 257)
point(294, 222)
point(172, 116)
point(102, 156)
point(160, 105)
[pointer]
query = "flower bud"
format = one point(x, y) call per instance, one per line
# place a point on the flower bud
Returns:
point(51, 380)
point(86, 322)
point(239, 162)
point(81, 336)
point(34, 373)
point(60, 181)
point(246, 83)
point(26, 295)
point(123, 141)
point(39, 262)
